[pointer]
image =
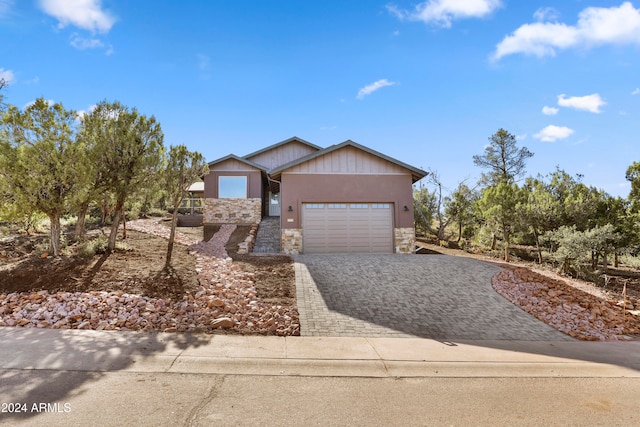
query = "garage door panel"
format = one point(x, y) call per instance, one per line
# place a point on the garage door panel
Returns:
point(340, 227)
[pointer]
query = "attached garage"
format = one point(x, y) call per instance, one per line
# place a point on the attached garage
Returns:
point(347, 227)
point(346, 198)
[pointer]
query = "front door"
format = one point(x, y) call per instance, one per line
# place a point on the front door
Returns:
point(274, 204)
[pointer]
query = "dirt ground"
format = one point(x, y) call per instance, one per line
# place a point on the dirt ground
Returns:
point(137, 269)
point(274, 274)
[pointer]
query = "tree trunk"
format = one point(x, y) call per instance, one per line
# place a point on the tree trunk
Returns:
point(172, 235)
point(459, 232)
point(605, 263)
point(82, 217)
point(505, 235)
point(104, 210)
point(616, 261)
point(124, 223)
point(535, 234)
point(494, 241)
point(55, 233)
point(114, 226)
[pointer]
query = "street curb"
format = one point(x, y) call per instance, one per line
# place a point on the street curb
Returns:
point(101, 351)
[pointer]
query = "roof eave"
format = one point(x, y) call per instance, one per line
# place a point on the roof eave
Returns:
point(278, 144)
point(240, 159)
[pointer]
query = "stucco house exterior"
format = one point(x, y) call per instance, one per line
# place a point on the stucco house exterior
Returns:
point(343, 198)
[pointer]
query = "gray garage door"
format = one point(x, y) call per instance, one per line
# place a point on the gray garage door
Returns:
point(347, 227)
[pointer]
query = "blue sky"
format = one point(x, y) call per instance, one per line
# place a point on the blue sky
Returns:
point(425, 82)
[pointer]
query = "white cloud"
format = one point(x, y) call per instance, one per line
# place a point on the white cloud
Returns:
point(591, 103)
point(596, 26)
point(369, 89)
point(7, 75)
point(88, 110)
point(82, 113)
point(203, 61)
point(442, 12)
point(204, 65)
point(5, 7)
point(546, 14)
point(81, 43)
point(85, 14)
point(549, 111)
point(636, 91)
point(552, 133)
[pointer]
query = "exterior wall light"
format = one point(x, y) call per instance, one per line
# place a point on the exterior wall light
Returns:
point(291, 209)
point(406, 209)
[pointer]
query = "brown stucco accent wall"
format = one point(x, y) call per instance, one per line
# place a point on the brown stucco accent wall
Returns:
point(343, 188)
point(254, 183)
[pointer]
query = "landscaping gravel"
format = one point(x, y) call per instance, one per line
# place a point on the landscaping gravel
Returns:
point(570, 310)
point(226, 298)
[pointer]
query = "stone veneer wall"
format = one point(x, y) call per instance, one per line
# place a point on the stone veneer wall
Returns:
point(404, 240)
point(232, 211)
point(291, 241)
point(247, 246)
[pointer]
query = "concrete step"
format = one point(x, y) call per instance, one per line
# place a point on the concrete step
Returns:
point(268, 237)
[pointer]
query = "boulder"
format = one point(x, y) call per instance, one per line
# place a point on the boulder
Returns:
point(222, 322)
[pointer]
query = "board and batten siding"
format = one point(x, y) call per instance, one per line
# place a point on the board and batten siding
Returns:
point(348, 160)
point(232, 165)
point(281, 155)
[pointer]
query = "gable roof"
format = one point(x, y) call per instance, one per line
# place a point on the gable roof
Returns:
point(278, 144)
point(240, 159)
point(416, 173)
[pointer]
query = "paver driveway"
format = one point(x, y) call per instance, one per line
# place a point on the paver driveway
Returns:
point(432, 296)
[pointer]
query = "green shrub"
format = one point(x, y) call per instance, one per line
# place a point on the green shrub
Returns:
point(122, 245)
point(94, 246)
point(156, 212)
point(631, 261)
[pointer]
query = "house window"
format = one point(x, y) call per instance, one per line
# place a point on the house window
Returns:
point(232, 187)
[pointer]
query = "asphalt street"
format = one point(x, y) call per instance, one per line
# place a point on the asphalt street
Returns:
point(176, 399)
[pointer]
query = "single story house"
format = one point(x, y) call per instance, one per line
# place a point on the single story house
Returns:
point(343, 198)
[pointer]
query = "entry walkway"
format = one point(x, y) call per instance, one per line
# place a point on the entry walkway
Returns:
point(393, 295)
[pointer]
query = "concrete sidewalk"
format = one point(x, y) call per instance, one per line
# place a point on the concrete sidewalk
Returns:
point(101, 351)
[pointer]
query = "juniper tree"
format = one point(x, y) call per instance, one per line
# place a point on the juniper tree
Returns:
point(183, 168)
point(128, 153)
point(38, 160)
